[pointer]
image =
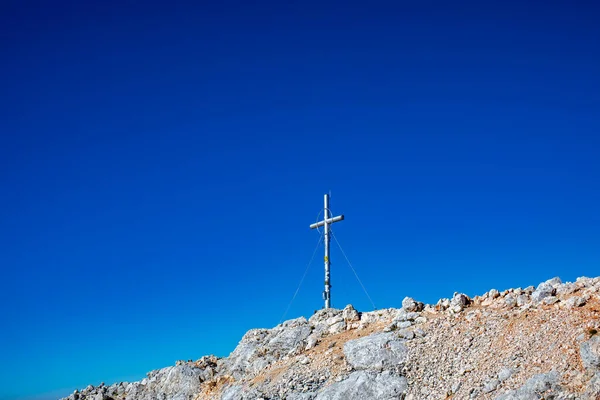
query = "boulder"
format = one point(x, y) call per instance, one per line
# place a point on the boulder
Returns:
point(566, 289)
point(504, 374)
point(510, 301)
point(403, 315)
point(522, 299)
point(575, 301)
point(459, 302)
point(181, 382)
point(442, 305)
point(361, 385)
point(592, 390)
point(590, 353)
point(376, 351)
point(410, 305)
point(542, 386)
point(240, 392)
point(261, 347)
point(545, 289)
point(349, 314)
point(491, 385)
point(328, 321)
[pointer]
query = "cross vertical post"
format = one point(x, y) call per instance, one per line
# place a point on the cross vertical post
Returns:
point(327, 293)
point(327, 220)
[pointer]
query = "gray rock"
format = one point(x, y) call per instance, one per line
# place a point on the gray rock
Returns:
point(459, 302)
point(575, 301)
point(350, 314)
point(406, 334)
point(592, 390)
point(455, 387)
point(566, 289)
point(378, 316)
point(323, 314)
point(240, 392)
point(361, 385)
point(491, 386)
point(376, 351)
point(510, 301)
point(583, 282)
point(289, 339)
point(181, 382)
point(403, 324)
point(261, 347)
point(542, 386)
point(442, 304)
point(299, 396)
point(410, 305)
point(403, 315)
point(590, 353)
point(529, 289)
point(419, 332)
point(551, 300)
point(504, 374)
point(242, 356)
point(321, 320)
point(545, 289)
point(311, 342)
point(522, 299)
point(337, 327)
point(555, 282)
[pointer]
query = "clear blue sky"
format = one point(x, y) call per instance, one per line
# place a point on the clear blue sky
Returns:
point(160, 165)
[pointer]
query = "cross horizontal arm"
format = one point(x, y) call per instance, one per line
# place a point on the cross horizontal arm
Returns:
point(328, 220)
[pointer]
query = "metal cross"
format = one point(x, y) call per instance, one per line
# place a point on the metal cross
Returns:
point(326, 222)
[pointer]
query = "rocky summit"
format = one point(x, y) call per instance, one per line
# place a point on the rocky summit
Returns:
point(534, 343)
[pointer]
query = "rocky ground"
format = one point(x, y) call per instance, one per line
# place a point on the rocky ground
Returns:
point(535, 343)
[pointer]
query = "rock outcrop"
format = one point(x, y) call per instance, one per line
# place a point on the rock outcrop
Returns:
point(540, 342)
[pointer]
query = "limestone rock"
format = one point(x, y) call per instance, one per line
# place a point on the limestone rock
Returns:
point(590, 353)
point(180, 382)
point(542, 386)
point(442, 304)
point(376, 352)
point(545, 289)
point(491, 386)
point(575, 301)
point(410, 305)
point(566, 289)
point(504, 374)
point(261, 347)
point(592, 390)
point(510, 301)
point(522, 299)
point(459, 302)
point(350, 314)
point(361, 385)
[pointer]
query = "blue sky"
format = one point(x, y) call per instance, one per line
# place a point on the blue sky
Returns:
point(160, 165)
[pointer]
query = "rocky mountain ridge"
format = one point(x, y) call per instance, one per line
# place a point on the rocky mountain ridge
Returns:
point(535, 343)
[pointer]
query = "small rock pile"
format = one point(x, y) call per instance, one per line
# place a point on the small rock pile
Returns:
point(535, 343)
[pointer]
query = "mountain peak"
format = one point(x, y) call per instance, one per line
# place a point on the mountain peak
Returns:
point(534, 343)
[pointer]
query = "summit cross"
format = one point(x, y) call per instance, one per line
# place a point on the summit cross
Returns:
point(327, 220)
